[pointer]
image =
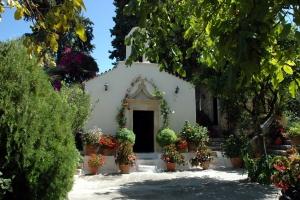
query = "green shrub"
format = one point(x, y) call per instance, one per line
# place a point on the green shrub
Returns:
point(125, 134)
point(200, 133)
point(194, 133)
point(260, 169)
point(36, 142)
point(166, 137)
point(186, 131)
point(80, 103)
point(237, 146)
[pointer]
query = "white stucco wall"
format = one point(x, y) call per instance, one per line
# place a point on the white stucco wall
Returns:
point(119, 80)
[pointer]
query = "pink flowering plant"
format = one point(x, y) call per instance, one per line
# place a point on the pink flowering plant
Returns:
point(287, 175)
point(74, 66)
point(92, 137)
point(171, 155)
point(203, 154)
point(124, 154)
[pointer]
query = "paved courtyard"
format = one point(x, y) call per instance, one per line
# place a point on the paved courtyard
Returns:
point(200, 184)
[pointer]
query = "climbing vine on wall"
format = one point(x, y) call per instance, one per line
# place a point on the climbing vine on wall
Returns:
point(164, 108)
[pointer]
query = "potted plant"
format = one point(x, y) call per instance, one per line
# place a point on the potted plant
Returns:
point(107, 143)
point(200, 134)
point(125, 134)
point(235, 148)
point(186, 130)
point(125, 157)
point(193, 134)
point(95, 161)
point(165, 137)
point(172, 157)
point(203, 156)
point(91, 140)
point(293, 134)
point(287, 175)
point(181, 145)
point(275, 132)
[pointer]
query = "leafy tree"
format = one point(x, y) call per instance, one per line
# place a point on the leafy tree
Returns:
point(246, 106)
point(229, 35)
point(36, 142)
point(244, 42)
point(122, 27)
point(50, 19)
point(71, 40)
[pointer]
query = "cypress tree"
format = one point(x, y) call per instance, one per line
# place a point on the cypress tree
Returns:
point(124, 24)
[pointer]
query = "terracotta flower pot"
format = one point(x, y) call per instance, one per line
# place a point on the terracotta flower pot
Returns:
point(91, 149)
point(278, 141)
point(125, 169)
point(206, 165)
point(236, 162)
point(295, 140)
point(171, 166)
point(108, 152)
point(191, 146)
point(94, 170)
point(257, 155)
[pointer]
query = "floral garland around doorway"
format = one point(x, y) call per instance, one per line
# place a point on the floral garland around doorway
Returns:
point(164, 108)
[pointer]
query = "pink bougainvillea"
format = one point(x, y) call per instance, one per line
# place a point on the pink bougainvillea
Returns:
point(75, 66)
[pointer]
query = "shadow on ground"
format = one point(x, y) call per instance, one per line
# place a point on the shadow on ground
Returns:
point(197, 188)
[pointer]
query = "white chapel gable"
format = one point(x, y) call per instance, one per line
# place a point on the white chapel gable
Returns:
point(142, 92)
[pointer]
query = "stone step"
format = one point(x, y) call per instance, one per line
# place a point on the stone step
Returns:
point(147, 156)
point(150, 161)
point(287, 142)
point(280, 147)
point(216, 139)
point(215, 147)
point(146, 168)
point(212, 143)
point(276, 152)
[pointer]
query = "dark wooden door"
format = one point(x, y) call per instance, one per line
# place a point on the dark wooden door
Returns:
point(143, 128)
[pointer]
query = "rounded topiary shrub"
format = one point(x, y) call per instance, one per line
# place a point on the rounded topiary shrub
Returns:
point(37, 146)
point(165, 137)
point(125, 134)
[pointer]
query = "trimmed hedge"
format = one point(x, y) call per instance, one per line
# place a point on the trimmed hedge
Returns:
point(125, 134)
point(165, 137)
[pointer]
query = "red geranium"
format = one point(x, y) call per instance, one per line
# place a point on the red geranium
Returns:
point(181, 144)
point(107, 141)
point(96, 160)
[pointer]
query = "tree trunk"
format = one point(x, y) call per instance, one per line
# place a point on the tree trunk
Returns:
point(259, 134)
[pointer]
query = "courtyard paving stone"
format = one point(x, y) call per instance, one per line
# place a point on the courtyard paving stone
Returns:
point(197, 184)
